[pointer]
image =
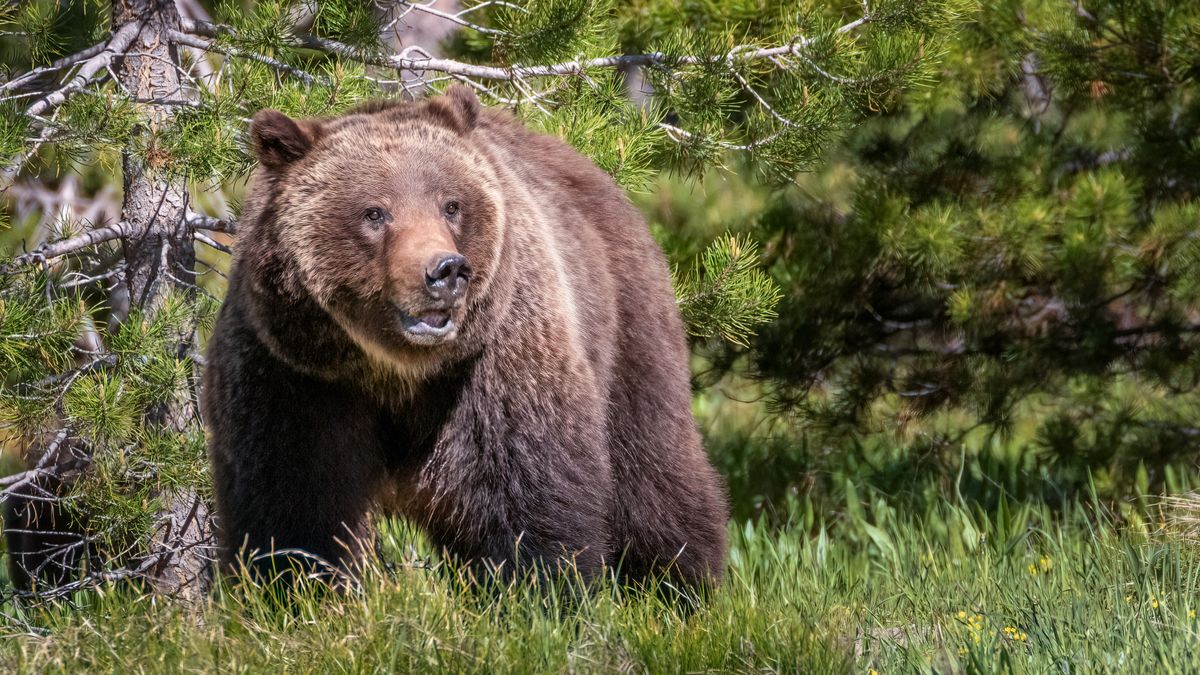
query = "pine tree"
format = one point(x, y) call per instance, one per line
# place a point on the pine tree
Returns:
point(1003, 267)
point(104, 308)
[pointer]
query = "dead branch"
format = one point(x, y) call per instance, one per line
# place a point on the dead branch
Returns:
point(211, 243)
point(211, 46)
point(44, 467)
point(202, 222)
point(16, 83)
point(61, 247)
point(422, 63)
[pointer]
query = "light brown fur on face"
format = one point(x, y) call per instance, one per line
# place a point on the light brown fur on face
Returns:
point(433, 303)
point(364, 247)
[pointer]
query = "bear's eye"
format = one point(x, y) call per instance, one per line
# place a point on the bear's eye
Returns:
point(374, 215)
point(451, 208)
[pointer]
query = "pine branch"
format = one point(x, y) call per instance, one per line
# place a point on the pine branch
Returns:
point(403, 62)
point(726, 293)
point(17, 82)
point(416, 60)
point(150, 566)
point(117, 44)
point(210, 46)
point(61, 247)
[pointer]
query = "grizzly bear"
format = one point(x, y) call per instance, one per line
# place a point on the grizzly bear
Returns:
point(436, 311)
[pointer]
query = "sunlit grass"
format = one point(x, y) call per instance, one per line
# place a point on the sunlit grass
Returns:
point(948, 590)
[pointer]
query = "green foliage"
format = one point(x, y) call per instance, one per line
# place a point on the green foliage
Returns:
point(601, 123)
point(348, 21)
point(35, 22)
point(51, 383)
point(13, 127)
point(35, 32)
point(36, 332)
point(102, 408)
point(95, 127)
point(726, 293)
point(342, 85)
point(204, 145)
point(1001, 268)
point(549, 31)
point(261, 27)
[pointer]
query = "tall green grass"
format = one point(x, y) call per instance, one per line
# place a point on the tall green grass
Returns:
point(951, 589)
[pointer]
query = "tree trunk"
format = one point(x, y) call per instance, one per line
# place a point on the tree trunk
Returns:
point(160, 257)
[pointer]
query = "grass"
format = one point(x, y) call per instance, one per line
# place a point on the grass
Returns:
point(949, 590)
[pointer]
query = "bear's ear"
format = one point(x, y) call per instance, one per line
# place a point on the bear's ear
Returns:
point(278, 140)
point(459, 107)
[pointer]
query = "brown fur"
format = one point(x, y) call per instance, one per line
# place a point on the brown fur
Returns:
point(553, 423)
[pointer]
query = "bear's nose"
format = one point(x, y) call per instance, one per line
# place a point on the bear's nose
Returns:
point(447, 274)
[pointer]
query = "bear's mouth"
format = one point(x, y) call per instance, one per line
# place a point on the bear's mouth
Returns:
point(429, 325)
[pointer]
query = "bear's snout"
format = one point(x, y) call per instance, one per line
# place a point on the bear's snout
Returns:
point(447, 276)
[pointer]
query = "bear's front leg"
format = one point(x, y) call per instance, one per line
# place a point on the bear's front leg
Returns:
point(519, 479)
point(296, 462)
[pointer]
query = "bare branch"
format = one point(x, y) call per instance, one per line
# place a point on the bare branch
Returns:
point(1082, 12)
point(210, 46)
point(117, 44)
point(1101, 160)
point(211, 243)
point(65, 62)
point(753, 92)
point(454, 18)
point(44, 467)
point(198, 548)
point(403, 62)
point(202, 222)
point(61, 247)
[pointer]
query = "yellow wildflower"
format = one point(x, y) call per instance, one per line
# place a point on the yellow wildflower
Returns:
point(1015, 634)
point(1046, 563)
point(1154, 602)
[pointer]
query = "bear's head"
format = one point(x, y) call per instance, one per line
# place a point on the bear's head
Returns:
point(389, 218)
